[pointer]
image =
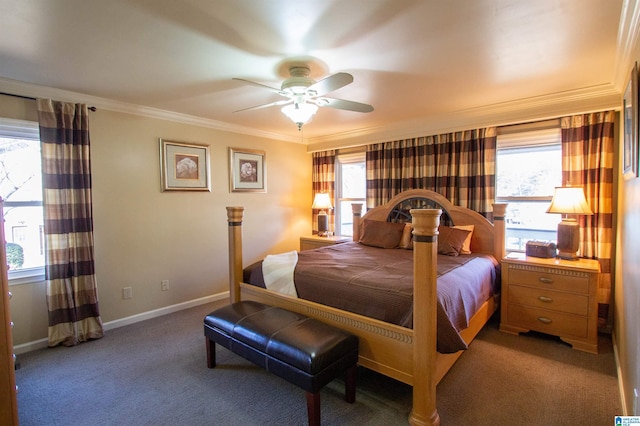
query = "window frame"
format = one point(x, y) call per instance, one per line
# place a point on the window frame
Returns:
point(522, 138)
point(347, 158)
point(22, 129)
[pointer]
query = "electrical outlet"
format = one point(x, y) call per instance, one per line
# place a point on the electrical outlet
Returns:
point(164, 285)
point(127, 292)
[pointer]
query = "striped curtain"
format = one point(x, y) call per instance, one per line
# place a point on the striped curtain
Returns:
point(587, 161)
point(324, 180)
point(72, 294)
point(460, 166)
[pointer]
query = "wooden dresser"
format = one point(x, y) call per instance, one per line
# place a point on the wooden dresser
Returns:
point(551, 296)
point(8, 401)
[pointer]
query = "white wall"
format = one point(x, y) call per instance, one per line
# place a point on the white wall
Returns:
point(143, 235)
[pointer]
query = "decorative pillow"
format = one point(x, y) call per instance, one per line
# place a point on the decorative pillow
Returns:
point(377, 233)
point(451, 240)
point(466, 247)
point(406, 241)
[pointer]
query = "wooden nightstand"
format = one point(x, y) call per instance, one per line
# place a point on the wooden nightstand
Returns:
point(551, 296)
point(313, 241)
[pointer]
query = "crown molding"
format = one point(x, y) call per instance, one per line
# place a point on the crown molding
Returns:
point(20, 88)
point(596, 98)
point(584, 100)
point(627, 42)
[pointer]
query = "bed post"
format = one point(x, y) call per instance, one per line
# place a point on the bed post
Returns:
point(425, 259)
point(499, 211)
point(356, 209)
point(234, 217)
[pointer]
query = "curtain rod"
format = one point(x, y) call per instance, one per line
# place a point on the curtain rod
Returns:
point(91, 108)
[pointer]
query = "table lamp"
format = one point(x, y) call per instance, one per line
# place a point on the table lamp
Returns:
point(569, 200)
point(322, 202)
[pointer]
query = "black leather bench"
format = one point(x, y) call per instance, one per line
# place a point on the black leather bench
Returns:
point(299, 349)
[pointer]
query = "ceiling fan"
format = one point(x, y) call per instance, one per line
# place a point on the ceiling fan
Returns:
point(304, 95)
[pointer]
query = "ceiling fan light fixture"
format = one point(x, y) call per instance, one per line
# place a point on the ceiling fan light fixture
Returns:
point(300, 113)
point(304, 95)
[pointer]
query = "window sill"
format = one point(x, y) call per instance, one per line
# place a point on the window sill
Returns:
point(26, 276)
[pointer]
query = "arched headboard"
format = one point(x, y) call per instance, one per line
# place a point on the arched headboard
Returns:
point(487, 238)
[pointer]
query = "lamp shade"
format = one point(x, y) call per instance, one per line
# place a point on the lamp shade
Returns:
point(322, 201)
point(569, 200)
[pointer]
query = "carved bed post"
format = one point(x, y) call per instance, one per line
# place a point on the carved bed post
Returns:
point(425, 259)
point(356, 209)
point(234, 217)
point(499, 211)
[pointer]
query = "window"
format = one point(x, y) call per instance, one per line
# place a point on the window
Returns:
point(351, 187)
point(528, 168)
point(21, 190)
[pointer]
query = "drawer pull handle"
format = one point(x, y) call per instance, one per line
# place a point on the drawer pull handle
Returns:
point(546, 280)
point(545, 299)
point(544, 320)
point(10, 295)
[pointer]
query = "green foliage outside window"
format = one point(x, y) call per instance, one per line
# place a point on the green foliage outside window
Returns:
point(15, 255)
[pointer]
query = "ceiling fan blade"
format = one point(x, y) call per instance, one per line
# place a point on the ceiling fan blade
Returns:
point(329, 84)
point(264, 86)
point(346, 105)
point(276, 103)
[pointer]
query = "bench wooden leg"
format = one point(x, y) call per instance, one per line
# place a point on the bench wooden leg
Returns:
point(313, 408)
point(211, 353)
point(350, 384)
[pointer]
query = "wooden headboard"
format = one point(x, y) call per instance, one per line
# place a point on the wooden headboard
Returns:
point(486, 238)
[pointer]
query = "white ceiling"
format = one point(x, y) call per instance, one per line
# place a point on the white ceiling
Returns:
point(421, 63)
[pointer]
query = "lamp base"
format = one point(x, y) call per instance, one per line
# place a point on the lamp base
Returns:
point(323, 224)
point(567, 255)
point(568, 239)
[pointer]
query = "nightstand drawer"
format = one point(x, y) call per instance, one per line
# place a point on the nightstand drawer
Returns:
point(549, 280)
point(547, 321)
point(549, 299)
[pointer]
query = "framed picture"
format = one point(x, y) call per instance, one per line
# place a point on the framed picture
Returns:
point(630, 114)
point(247, 170)
point(184, 166)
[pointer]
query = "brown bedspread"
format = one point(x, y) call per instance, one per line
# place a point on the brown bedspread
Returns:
point(378, 283)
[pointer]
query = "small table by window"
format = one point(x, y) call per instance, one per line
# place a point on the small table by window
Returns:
point(551, 296)
point(313, 241)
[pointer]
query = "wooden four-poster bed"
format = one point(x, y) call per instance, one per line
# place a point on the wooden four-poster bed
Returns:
point(405, 354)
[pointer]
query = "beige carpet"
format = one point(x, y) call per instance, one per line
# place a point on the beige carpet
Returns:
point(154, 373)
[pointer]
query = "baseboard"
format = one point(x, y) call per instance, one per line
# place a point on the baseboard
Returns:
point(43, 343)
point(164, 311)
point(623, 399)
point(30, 346)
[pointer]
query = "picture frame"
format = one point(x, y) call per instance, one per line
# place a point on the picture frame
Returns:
point(630, 119)
point(247, 170)
point(184, 166)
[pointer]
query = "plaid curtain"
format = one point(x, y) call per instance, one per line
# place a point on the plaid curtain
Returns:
point(72, 294)
point(324, 180)
point(460, 166)
point(587, 161)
